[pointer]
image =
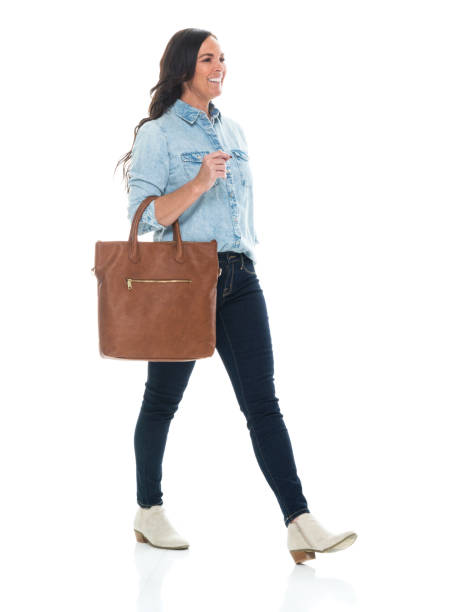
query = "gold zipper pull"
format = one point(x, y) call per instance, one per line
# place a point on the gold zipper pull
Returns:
point(219, 274)
point(130, 280)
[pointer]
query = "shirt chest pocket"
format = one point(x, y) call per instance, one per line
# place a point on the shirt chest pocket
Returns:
point(191, 162)
point(242, 164)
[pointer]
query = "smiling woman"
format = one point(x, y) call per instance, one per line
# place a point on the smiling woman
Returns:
point(195, 161)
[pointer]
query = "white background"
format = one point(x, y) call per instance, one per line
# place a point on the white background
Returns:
point(345, 108)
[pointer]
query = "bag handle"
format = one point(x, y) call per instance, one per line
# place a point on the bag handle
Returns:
point(133, 253)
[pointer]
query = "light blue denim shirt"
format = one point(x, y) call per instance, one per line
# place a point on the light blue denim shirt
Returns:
point(168, 152)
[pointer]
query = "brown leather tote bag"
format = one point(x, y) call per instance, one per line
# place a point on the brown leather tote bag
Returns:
point(156, 300)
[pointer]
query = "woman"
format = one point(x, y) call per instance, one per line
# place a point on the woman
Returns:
point(195, 162)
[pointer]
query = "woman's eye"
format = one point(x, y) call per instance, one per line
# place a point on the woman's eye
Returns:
point(222, 59)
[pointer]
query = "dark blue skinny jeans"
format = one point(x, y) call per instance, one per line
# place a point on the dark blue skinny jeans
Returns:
point(243, 342)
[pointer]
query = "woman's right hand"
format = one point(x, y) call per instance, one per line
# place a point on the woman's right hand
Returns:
point(213, 166)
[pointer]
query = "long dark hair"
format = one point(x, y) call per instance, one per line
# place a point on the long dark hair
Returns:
point(177, 65)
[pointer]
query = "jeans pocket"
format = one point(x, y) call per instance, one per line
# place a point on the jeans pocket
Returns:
point(248, 266)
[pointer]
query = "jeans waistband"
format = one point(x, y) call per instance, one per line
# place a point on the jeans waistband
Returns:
point(231, 256)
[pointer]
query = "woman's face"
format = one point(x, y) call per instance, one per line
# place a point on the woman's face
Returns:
point(210, 64)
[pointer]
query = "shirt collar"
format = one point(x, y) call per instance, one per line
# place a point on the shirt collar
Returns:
point(191, 113)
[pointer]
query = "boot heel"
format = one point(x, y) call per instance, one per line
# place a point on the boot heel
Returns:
point(140, 537)
point(300, 556)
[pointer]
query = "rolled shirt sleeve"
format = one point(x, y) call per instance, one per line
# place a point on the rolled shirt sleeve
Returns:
point(148, 174)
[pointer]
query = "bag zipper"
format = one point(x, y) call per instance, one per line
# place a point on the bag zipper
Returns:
point(130, 281)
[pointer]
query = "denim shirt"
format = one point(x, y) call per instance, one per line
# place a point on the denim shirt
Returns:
point(168, 152)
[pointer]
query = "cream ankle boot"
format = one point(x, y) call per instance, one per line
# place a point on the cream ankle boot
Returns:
point(306, 536)
point(152, 526)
